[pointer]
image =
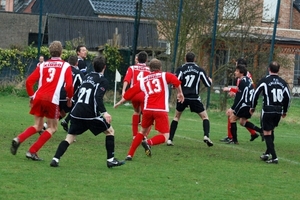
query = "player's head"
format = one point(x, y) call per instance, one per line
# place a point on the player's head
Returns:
point(81, 51)
point(241, 61)
point(274, 67)
point(55, 49)
point(99, 63)
point(155, 65)
point(190, 57)
point(73, 60)
point(242, 69)
point(142, 57)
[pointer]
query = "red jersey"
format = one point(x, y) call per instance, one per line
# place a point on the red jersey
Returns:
point(155, 88)
point(136, 72)
point(51, 75)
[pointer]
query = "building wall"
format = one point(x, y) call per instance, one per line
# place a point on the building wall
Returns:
point(15, 28)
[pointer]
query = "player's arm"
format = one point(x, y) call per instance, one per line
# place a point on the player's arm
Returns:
point(129, 94)
point(239, 95)
point(31, 81)
point(127, 80)
point(172, 79)
point(69, 86)
point(256, 94)
point(207, 81)
point(101, 90)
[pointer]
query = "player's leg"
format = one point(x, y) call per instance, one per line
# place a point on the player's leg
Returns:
point(110, 148)
point(233, 118)
point(180, 107)
point(161, 125)
point(173, 127)
point(147, 121)
point(77, 127)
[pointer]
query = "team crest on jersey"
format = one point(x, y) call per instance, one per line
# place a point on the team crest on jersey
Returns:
point(102, 88)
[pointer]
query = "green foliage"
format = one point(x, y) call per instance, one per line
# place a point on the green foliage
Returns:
point(17, 59)
point(113, 57)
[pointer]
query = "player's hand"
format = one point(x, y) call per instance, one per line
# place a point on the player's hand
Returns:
point(119, 103)
point(210, 80)
point(180, 97)
point(107, 117)
point(69, 102)
point(30, 102)
point(229, 112)
point(231, 94)
point(251, 111)
point(283, 115)
point(226, 89)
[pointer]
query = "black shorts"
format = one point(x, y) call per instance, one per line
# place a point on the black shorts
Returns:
point(243, 112)
point(269, 120)
point(63, 106)
point(96, 126)
point(194, 104)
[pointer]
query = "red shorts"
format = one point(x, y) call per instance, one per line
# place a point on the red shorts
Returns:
point(41, 108)
point(138, 101)
point(161, 120)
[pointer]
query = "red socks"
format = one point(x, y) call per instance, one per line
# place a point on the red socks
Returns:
point(229, 135)
point(135, 124)
point(157, 139)
point(26, 134)
point(135, 143)
point(40, 142)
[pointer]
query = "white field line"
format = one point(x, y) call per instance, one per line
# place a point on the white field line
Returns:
point(239, 148)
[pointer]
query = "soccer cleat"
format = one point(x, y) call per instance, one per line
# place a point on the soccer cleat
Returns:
point(33, 156)
point(227, 139)
point(264, 157)
point(170, 143)
point(64, 124)
point(147, 148)
point(128, 158)
point(208, 141)
point(232, 142)
point(114, 163)
point(272, 161)
point(14, 146)
point(253, 137)
point(54, 163)
point(43, 129)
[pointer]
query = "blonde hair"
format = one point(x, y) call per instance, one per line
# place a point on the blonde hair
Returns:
point(155, 64)
point(55, 49)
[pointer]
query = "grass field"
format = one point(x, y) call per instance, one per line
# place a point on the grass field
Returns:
point(188, 170)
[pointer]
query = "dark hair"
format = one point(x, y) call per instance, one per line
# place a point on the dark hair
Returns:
point(241, 61)
point(99, 63)
point(155, 64)
point(142, 57)
point(242, 69)
point(79, 47)
point(274, 67)
point(73, 60)
point(190, 57)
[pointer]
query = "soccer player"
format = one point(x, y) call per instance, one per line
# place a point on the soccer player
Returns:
point(242, 101)
point(190, 75)
point(81, 52)
point(276, 101)
point(50, 75)
point(133, 75)
point(156, 107)
point(232, 91)
point(89, 113)
point(77, 80)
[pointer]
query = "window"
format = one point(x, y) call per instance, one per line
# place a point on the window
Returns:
point(297, 70)
point(231, 9)
point(269, 10)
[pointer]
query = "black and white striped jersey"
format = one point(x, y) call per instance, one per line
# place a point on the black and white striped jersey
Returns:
point(190, 75)
point(276, 94)
point(89, 103)
point(244, 94)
